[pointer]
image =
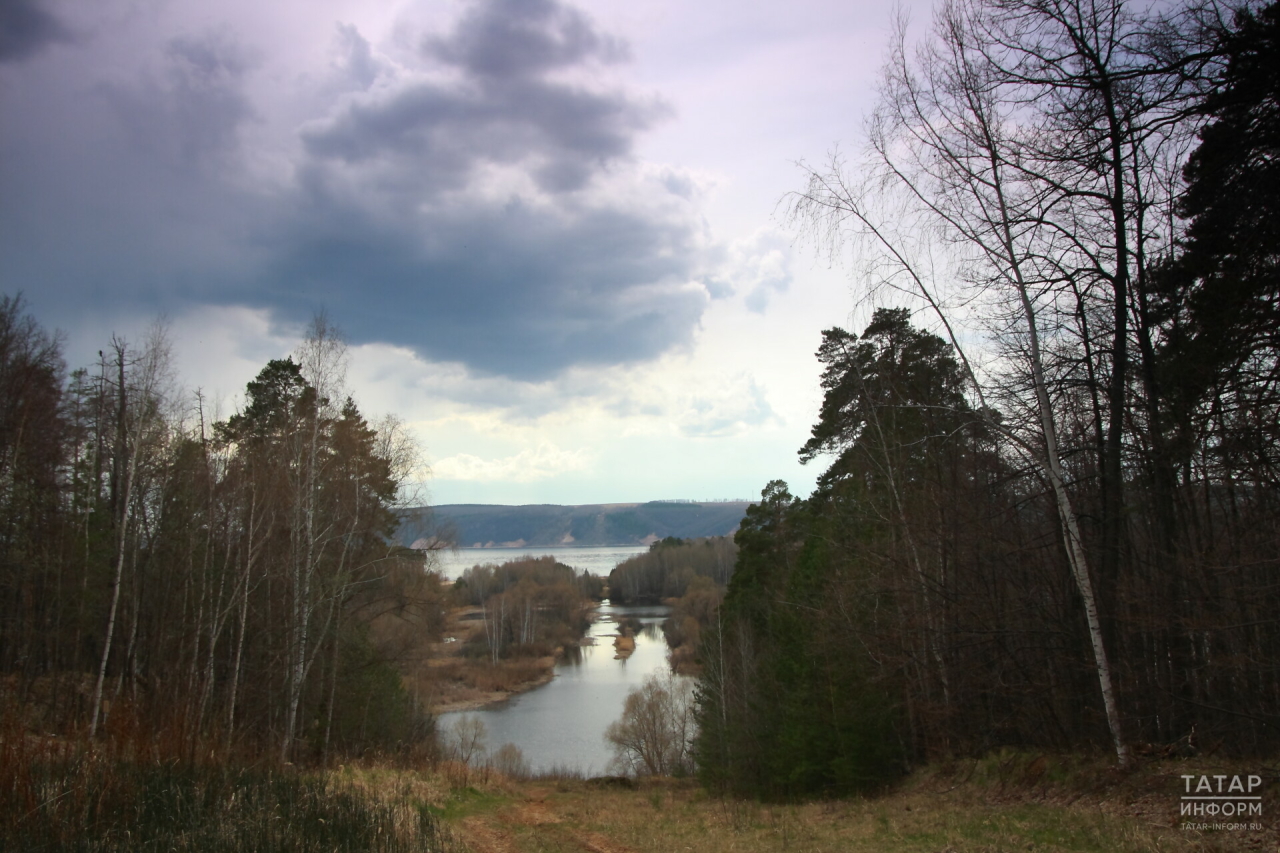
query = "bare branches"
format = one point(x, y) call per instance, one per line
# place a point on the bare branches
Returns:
point(1031, 144)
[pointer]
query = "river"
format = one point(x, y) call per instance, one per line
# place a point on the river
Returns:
point(599, 560)
point(561, 724)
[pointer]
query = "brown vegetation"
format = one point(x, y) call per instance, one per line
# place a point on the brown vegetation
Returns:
point(691, 615)
point(134, 788)
point(668, 568)
point(513, 623)
point(623, 646)
point(228, 582)
point(654, 735)
point(452, 679)
point(1042, 803)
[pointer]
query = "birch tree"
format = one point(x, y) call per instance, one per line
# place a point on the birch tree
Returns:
point(1032, 142)
point(140, 383)
point(322, 367)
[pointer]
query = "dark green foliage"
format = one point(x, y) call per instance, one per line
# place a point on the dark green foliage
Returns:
point(1233, 181)
point(831, 617)
point(786, 707)
point(894, 385)
point(1221, 296)
point(275, 398)
point(376, 712)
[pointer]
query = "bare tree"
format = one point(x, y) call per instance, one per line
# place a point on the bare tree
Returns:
point(322, 359)
point(654, 736)
point(140, 383)
point(1032, 143)
point(509, 760)
point(467, 739)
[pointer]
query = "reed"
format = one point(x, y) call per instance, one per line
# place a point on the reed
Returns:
point(56, 796)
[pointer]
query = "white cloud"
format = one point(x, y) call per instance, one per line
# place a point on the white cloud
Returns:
point(540, 463)
point(729, 407)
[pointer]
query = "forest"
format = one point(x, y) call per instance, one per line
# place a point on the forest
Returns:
point(1047, 522)
point(1050, 516)
point(219, 584)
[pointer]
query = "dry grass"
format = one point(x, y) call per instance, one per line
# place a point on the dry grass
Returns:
point(1005, 803)
point(453, 678)
point(93, 803)
point(505, 676)
point(142, 789)
point(461, 684)
point(61, 794)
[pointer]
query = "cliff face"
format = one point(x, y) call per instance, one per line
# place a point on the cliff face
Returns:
point(478, 525)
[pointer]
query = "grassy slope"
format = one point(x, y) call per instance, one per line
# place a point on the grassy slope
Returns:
point(1002, 804)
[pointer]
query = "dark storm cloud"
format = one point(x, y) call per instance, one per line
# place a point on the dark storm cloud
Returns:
point(508, 291)
point(358, 61)
point(482, 206)
point(193, 111)
point(522, 287)
point(512, 40)
point(120, 170)
point(26, 28)
point(506, 108)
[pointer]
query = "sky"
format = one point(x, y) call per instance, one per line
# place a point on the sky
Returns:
point(552, 233)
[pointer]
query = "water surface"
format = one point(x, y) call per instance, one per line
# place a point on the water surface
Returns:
point(562, 723)
point(599, 560)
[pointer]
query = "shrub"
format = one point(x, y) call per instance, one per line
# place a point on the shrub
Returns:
point(655, 733)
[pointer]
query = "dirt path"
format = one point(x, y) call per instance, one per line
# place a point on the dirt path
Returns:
point(532, 826)
point(482, 837)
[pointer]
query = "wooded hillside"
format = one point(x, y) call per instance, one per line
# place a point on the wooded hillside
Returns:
point(479, 525)
point(226, 583)
point(1051, 516)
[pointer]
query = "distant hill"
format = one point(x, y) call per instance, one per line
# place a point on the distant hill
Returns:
point(489, 525)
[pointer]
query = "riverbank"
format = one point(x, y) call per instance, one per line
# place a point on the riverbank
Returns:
point(453, 681)
point(456, 682)
point(460, 692)
point(563, 724)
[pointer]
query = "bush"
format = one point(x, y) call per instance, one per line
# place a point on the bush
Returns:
point(654, 736)
point(510, 761)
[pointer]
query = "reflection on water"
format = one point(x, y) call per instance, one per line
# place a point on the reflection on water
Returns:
point(562, 724)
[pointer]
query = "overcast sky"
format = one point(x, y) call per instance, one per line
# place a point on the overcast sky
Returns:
point(549, 231)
